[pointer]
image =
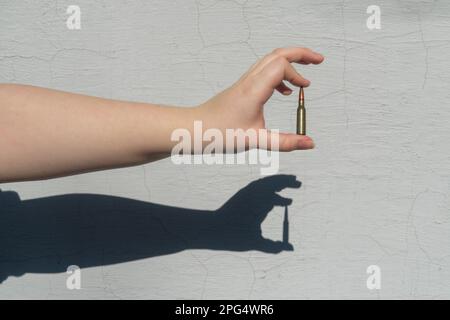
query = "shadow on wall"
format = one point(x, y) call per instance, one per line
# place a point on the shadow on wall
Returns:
point(46, 235)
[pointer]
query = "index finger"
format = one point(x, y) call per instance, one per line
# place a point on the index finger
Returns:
point(294, 54)
point(300, 55)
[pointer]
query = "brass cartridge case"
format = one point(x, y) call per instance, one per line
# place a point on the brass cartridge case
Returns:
point(301, 114)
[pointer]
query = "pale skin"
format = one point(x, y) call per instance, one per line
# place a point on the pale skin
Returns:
point(46, 133)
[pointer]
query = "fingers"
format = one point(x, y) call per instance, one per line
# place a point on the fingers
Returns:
point(284, 142)
point(268, 73)
point(283, 89)
point(296, 54)
point(300, 55)
point(278, 70)
point(291, 142)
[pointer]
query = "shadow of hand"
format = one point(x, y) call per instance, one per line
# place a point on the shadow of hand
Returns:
point(240, 218)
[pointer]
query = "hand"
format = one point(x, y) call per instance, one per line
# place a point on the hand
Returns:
point(241, 105)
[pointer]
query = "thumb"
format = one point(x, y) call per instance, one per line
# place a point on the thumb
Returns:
point(291, 142)
point(286, 142)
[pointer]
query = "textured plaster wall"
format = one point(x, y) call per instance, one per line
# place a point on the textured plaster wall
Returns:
point(374, 191)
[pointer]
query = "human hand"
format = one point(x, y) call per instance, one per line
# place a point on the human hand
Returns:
point(241, 105)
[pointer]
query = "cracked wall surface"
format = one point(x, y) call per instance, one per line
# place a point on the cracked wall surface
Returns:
point(375, 191)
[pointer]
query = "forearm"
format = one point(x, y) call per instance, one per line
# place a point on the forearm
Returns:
point(46, 133)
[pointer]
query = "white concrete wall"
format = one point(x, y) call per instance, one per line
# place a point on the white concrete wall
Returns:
point(375, 191)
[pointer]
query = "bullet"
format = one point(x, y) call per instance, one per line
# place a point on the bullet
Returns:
point(301, 113)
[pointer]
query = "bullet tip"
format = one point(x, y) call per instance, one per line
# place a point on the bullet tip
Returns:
point(301, 95)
